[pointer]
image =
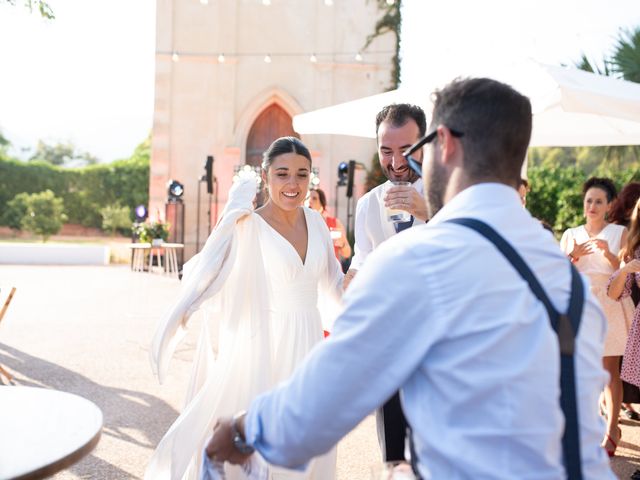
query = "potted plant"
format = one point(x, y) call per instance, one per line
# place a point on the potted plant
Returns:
point(152, 232)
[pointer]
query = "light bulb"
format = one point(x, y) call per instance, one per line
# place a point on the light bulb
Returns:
point(267, 58)
point(313, 58)
point(175, 57)
point(358, 57)
point(221, 58)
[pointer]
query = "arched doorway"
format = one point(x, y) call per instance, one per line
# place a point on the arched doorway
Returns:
point(272, 123)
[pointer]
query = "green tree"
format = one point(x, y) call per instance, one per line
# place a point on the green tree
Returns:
point(62, 154)
point(45, 214)
point(115, 217)
point(42, 7)
point(625, 60)
point(4, 145)
point(15, 212)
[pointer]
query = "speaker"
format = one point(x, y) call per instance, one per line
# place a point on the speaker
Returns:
point(209, 169)
point(352, 171)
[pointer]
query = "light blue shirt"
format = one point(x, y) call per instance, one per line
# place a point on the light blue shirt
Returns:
point(438, 312)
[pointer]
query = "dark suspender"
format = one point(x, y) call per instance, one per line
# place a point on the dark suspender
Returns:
point(566, 328)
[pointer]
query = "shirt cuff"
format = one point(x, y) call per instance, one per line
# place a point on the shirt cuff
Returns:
point(252, 427)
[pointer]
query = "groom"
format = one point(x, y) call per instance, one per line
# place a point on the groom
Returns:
point(472, 352)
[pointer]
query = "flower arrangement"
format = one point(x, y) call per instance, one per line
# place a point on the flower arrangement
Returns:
point(149, 231)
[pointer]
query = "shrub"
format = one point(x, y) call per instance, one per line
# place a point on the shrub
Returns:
point(15, 212)
point(115, 217)
point(45, 214)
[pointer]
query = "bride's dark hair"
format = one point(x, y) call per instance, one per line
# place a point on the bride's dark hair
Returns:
point(284, 145)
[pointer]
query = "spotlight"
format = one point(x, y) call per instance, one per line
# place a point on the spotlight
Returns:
point(343, 173)
point(176, 190)
point(141, 213)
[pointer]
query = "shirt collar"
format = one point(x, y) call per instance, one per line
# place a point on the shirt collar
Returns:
point(472, 200)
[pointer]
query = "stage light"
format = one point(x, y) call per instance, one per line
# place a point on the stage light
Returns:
point(314, 178)
point(141, 213)
point(176, 190)
point(343, 173)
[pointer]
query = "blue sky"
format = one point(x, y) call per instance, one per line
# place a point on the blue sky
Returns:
point(88, 76)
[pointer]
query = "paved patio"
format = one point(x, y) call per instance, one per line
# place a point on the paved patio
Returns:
point(86, 330)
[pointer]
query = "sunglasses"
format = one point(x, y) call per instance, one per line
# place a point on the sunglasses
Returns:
point(414, 164)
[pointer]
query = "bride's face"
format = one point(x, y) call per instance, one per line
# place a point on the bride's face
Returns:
point(288, 180)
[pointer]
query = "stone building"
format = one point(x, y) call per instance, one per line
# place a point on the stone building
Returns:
point(231, 74)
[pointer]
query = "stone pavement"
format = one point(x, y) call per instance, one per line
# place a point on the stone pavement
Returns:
point(86, 330)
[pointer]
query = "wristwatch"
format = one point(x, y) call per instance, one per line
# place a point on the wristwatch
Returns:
point(238, 441)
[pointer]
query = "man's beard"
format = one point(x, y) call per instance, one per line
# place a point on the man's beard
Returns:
point(436, 182)
point(409, 176)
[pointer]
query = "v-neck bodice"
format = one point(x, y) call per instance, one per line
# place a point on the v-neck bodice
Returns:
point(278, 234)
point(293, 285)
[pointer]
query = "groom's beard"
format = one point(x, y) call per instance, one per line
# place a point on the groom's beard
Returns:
point(436, 184)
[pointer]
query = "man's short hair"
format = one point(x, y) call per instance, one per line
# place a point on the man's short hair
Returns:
point(496, 124)
point(397, 114)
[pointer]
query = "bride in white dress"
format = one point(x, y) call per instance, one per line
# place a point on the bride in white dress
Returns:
point(263, 271)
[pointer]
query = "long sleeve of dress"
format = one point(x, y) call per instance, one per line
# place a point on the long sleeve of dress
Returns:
point(207, 274)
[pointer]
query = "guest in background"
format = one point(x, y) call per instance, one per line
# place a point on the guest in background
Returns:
point(593, 248)
point(318, 202)
point(621, 211)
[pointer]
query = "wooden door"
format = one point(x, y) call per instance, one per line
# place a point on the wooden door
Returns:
point(271, 124)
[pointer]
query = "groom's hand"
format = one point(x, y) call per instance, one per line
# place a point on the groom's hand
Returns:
point(221, 448)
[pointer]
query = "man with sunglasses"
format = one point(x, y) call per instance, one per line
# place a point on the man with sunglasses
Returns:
point(398, 126)
point(439, 313)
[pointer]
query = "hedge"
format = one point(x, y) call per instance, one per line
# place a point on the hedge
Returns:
point(84, 190)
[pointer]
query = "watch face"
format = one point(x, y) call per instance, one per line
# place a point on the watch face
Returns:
point(241, 446)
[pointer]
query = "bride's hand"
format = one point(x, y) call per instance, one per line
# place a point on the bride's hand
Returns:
point(221, 448)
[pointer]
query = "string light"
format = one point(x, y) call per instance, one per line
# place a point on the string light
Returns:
point(204, 2)
point(313, 57)
point(391, 2)
point(328, 3)
point(266, 3)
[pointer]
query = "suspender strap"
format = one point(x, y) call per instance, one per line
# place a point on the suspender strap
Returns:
point(566, 328)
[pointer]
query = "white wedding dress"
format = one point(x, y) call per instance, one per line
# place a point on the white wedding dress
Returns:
point(266, 320)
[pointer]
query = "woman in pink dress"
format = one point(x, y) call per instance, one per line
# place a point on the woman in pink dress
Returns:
point(593, 248)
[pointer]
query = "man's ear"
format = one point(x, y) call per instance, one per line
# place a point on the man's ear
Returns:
point(448, 145)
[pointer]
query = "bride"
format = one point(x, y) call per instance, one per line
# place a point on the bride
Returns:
point(261, 272)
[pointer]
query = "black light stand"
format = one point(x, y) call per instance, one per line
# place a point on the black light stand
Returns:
point(350, 176)
point(210, 180)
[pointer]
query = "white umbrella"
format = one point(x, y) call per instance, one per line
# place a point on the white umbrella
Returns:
point(355, 118)
point(571, 107)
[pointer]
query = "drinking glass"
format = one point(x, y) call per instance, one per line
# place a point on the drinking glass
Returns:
point(396, 215)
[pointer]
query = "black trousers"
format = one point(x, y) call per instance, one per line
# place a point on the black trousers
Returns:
point(392, 430)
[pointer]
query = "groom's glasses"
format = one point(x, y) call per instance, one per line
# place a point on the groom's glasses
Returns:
point(414, 164)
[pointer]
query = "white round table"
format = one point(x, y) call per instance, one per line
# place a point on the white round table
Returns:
point(43, 431)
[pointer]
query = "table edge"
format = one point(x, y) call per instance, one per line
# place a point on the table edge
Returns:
point(64, 462)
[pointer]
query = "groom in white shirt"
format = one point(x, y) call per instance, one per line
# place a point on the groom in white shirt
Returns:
point(439, 313)
point(398, 126)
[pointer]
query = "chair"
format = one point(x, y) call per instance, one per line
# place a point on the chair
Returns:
point(5, 306)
